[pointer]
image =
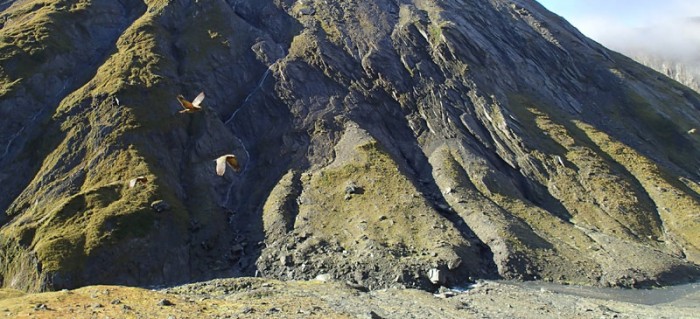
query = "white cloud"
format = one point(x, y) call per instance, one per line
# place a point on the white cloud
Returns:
point(670, 28)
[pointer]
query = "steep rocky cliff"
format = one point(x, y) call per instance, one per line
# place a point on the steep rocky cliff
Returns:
point(379, 140)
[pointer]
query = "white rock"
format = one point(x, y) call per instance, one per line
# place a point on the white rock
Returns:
point(454, 263)
point(436, 276)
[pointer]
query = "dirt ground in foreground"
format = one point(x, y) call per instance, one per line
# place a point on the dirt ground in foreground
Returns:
point(263, 298)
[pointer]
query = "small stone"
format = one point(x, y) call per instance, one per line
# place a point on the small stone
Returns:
point(41, 306)
point(273, 310)
point(436, 276)
point(247, 310)
point(160, 206)
point(323, 277)
point(194, 225)
point(559, 160)
point(445, 294)
point(165, 302)
point(285, 260)
point(373, 315)
point(352, 188)
point(357, 287)
point(97, 306)
point(116, 302)
point(307, 11)
point(454, 263)
point(237, 248)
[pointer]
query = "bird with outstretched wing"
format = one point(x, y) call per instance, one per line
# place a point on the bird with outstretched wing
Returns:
point(191, 107)
point(229, 159)
point(137, 180)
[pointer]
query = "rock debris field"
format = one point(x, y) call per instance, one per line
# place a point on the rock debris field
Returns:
point(262, 298)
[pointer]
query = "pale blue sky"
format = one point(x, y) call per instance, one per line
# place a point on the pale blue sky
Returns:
point(661, 26)
point(633, 13)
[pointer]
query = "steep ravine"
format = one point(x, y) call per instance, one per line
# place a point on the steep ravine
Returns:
point(380, 141)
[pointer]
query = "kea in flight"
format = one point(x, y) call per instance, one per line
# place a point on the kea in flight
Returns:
point(191, 107)
point(137, 180)
point(229, 159)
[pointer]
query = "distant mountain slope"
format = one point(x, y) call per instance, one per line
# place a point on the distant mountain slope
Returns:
point(686, 73)
point(418, 143)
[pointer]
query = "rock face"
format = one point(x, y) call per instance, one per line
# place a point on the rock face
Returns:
point(378, 140)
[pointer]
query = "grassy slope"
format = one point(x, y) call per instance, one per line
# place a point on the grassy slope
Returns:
point(98, 210)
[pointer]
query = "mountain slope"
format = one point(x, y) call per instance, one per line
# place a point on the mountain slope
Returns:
point(685, 72)
point(379, 140)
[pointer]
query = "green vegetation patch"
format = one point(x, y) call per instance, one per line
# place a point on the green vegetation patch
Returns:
point(6, 293)
point(591, 184)
point(28, 38)
point(369, 199)
point(677, 207)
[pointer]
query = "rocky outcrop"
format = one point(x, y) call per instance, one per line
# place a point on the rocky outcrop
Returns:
point(379, 141)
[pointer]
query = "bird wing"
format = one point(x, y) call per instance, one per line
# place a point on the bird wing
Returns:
point(198, 100)
point(132, 182)
point(221, 166)
point(185, 103)
point(233, 161)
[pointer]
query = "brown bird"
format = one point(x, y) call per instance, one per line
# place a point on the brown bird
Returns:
point(191, 107)
point(229, 159)
point(137, 180)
